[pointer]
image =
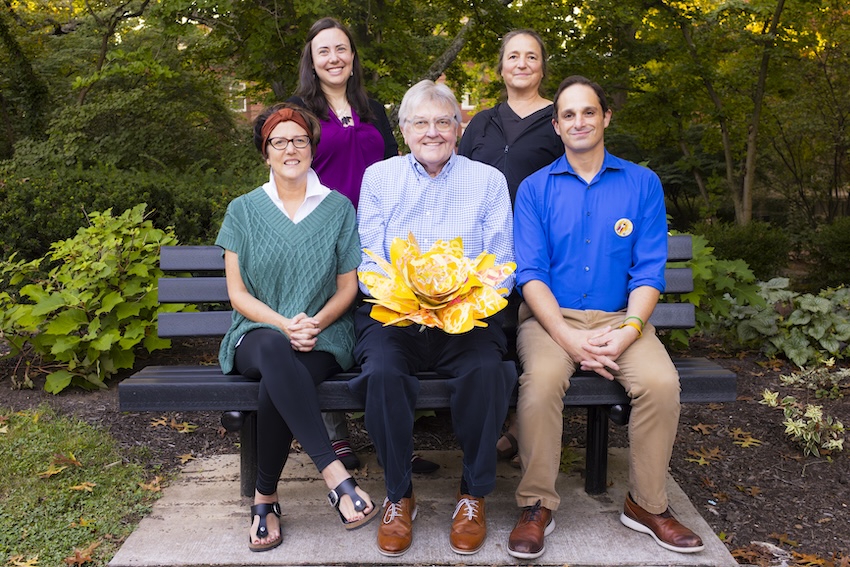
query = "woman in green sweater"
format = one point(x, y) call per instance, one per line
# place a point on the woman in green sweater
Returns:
point(291, 252)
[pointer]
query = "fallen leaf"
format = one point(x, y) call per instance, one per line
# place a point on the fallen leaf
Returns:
point(809, 559)
point(700, 461)
point(737, 433)
point(83, 523)
point(82, 556)
point(704, 428)
point(69, 459)
point(152, 486)
point(747, 442)
point(87, 486)
point(710, 454)
point(160, 421)
point(184, 427)
point(186, 458)
point(19, 561)
point(783, 539)
point(720, 496)
point(51, 471)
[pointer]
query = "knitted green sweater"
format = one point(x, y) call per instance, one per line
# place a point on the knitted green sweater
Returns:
point(291, 267)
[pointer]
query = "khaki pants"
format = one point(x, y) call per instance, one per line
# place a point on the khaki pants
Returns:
point(649, 378)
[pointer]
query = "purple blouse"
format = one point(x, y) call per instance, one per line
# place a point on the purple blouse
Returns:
point(344, 153)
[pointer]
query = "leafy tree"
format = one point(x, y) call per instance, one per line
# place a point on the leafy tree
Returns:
point(23, 106)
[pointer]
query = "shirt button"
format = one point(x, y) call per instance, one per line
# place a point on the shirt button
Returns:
point(588, 213)
point(587, 241)
point(584, 295)
point(587, 268)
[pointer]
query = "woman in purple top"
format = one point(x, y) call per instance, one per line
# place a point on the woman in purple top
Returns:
point(355, 129)
point(355, 134)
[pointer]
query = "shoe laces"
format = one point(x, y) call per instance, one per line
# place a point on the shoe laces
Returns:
point(532, 512)
point(393, 511)
point(471, 510)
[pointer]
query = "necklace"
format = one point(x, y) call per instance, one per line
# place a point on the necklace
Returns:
point(344, 115)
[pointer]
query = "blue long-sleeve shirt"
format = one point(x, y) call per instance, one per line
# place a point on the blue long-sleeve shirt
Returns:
point(467, 199)
point(591, 243)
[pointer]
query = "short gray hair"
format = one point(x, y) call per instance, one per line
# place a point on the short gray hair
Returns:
point(427, 91)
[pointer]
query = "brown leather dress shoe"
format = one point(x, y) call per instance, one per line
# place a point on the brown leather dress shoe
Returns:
point(469, 525)
point(395, 534)
point(664, 528)
point(526, 539)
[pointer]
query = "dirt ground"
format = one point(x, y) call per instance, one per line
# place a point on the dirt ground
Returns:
point(769, 503)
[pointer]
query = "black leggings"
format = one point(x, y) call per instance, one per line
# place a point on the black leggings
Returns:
point(288, 406)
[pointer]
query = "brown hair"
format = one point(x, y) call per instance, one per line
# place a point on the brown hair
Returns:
point(282, 112)
point(579, 80)
point(309, 88)
point(512, 34)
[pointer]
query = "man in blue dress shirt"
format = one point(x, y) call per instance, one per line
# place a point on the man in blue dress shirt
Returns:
point(436, 195)
point(591, 246)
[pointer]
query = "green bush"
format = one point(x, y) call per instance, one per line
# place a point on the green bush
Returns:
point(763, 247)
point(718, 286)
point(98, 301)
point(38, 208)
point(807, 425)
point(808, 329)
point(830, 254)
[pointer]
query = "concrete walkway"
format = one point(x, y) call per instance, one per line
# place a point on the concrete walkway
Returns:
point(202, 521)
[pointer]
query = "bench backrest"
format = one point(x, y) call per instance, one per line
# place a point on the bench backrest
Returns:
point(207, 290)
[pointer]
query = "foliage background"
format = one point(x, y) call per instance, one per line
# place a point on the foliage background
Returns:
point(741, 107)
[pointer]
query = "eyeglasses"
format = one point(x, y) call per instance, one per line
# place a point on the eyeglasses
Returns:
point(421, 126)
point(300, 142)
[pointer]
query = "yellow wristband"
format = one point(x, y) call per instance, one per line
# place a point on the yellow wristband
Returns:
point(633, 325)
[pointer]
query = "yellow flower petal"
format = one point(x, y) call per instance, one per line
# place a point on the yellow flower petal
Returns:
point(440, 288)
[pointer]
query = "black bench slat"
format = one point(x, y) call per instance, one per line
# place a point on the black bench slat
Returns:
point(199, 289)
point(214, 289)
point(210, 259)
point(197, 388)
point(216, 323)
point(191, 259)
point(201, 324)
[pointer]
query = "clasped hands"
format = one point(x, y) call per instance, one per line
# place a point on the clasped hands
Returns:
point(303, 332)
point(597, 350)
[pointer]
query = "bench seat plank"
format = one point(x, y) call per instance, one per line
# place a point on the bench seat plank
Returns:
point(203, 388)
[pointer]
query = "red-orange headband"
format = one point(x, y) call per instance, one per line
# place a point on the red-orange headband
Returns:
point(283, 115)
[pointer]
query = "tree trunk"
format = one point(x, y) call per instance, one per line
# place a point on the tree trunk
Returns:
point(745, 214)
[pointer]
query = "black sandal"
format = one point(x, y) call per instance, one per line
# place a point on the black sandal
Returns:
point(344, 488)
point(263, 510)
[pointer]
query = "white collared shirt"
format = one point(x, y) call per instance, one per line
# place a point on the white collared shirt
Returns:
point(315, 194)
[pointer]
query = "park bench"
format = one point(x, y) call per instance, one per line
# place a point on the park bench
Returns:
point(205, 388)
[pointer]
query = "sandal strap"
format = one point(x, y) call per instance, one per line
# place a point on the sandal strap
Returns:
point(346, 487)
point(263, 510)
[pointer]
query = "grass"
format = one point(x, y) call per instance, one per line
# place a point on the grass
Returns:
point(68, 496)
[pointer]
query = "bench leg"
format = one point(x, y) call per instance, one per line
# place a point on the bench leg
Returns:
point(248, 454)
point(596, 455)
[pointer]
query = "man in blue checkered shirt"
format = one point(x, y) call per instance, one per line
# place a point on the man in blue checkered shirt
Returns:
point(436, 195)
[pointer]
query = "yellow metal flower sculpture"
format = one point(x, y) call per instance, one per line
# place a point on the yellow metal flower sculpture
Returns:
point(440, 288)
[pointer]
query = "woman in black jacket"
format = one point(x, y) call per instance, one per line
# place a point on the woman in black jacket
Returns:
point(516, 136)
